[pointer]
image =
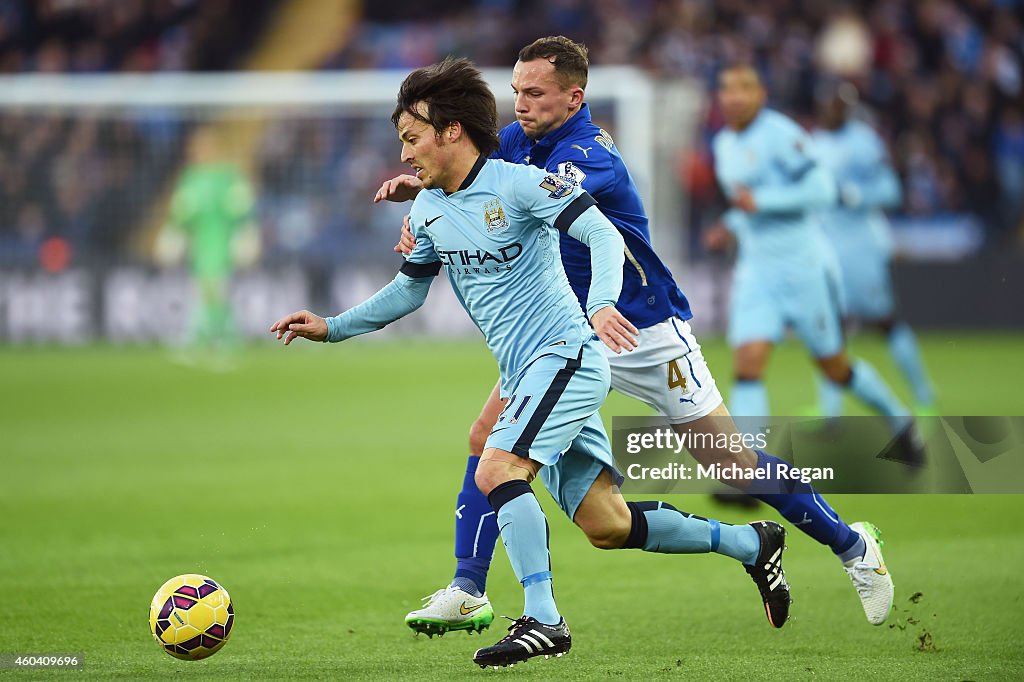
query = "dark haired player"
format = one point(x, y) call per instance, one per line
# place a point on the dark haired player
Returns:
point(667, 371)
point(493, 227)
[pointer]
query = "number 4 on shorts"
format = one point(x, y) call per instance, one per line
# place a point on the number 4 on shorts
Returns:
point(676, 378)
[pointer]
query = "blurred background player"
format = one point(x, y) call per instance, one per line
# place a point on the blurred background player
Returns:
point(785, 275)
point(859, 232)
point(210, 217)
point(667, 371)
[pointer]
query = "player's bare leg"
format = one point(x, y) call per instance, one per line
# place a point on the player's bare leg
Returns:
point(861, 379)
point(748, 397)
point(610, 522)
point(906, 355)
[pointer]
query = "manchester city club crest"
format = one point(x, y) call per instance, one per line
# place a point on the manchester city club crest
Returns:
point(494, 216)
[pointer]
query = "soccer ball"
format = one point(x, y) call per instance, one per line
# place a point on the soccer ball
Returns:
point(191, 617)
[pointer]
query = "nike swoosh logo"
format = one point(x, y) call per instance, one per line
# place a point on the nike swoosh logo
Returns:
point(432, 220)
point(465, 612)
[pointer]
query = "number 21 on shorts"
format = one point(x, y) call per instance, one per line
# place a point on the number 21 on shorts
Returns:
point(519, 410)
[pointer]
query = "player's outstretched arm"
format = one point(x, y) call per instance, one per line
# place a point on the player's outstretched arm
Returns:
point(607, 253)
point(401, 296)
point(303, 323)
point(398, 189)
point(815, 189)
point(879, 190)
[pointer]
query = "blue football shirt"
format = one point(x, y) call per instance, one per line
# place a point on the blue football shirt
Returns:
point(584, 154)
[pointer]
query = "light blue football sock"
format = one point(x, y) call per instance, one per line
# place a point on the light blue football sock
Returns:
point(748, 398)
point(866, 384)
point(740, 542)
point(830, 397)
point(524, 532)
point(670, 531)
point(905, 352)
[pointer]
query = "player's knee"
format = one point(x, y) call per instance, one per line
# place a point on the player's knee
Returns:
point(749, 360)
point(887, 325)
point(608, 538)
point(836, 369)
point(749, 368)
point(609, 532)
point(478, 434)
point(490, 474)
point(486, 478)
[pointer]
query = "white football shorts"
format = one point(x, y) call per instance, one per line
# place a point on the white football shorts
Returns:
point(667, 371)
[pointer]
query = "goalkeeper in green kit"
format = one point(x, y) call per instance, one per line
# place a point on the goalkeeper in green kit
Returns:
point(210, 214)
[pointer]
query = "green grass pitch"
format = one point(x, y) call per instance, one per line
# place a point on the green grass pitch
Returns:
point(317, 484)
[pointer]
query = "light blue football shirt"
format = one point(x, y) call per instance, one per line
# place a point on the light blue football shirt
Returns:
point(497, 240)
point(774, 157)
point(857, 158)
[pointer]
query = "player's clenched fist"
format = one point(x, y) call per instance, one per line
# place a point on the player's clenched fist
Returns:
point(303, 323)
point(616, 331)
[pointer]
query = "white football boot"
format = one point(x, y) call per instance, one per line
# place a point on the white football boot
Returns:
point(870, 575)
point(451, 608)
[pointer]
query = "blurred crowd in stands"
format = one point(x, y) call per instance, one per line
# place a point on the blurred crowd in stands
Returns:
point(87, 180)
point(95, 36)
point(943, 80)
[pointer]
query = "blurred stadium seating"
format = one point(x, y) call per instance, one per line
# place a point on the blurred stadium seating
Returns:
point(942, 80)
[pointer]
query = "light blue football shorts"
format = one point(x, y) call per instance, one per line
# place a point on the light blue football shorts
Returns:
point(867, 286)
point(810, 303)
point(552, 417)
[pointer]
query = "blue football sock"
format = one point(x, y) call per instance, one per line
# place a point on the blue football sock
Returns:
point(830, 398)
point(660, 527)
point(476, 531)
point(748, 398)
point(904, 350)
point(855, 552)
point(467, 585)
point(524, 532)
point(866, 384)
point(800, 504)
